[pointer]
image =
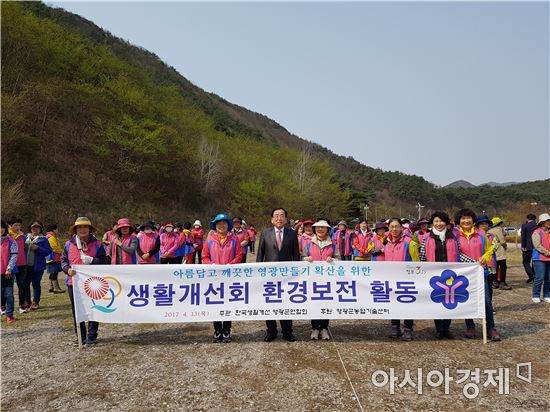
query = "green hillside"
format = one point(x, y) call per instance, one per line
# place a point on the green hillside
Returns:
point(93, 125)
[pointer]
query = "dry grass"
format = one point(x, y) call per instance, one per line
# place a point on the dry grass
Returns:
point(175, 367)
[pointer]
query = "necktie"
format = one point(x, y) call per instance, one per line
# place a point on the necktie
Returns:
point(279, 240)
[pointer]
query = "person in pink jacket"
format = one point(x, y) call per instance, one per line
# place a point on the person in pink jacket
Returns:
point(222, 248)
point(320, 248)
point(169, 242)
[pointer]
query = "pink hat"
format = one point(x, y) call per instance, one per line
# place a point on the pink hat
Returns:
point(124, 222)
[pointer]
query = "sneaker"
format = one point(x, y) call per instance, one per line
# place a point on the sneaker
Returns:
point(217, 338)
point(10, 319)
point(494, 335)
point(407, 335)
point(90, 342)
point(504, 286)
point(3, 311)
point(35, 306)
point(547, 300)
point(226, 337)
point(22, 310)
point(470, 333)
point(325, 335)
point(439, 335)
point(496, 285)
point(395, 332)
point(50, 290)
point(530, 280)
point(314, 334)
point(536, 300)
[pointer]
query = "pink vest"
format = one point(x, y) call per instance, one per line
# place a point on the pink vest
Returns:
point(398, 251)
point(169, 242)
point(303, 239)
point(347, 245)
point(252, 234)
point(450, 244)
point(312, 249)
point(74, 255)
point(421, 236)
point(127, 259)
point(362, 240)
point(5, 258)
point(377, 245)
point(21, 257)
point(146, 243)
point(227, 254)
point(474, 247)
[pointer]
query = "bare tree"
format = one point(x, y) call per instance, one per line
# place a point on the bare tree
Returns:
point(304, 175)
point(13, 196)
point(210, 165)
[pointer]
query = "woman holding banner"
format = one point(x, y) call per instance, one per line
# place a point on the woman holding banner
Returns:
point(222, 248)
point(440, 245)
point(400, 248)
point(476, 247)
point(82, 249)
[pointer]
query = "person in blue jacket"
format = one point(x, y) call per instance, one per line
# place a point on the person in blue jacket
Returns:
point(37, 248)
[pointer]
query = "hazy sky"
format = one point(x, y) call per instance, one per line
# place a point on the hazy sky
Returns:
point(447, 91)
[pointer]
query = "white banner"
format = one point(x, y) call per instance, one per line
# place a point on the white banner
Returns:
point(279, 290)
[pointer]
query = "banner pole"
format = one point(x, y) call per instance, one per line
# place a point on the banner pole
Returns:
point(78, 331)
point(484, 326)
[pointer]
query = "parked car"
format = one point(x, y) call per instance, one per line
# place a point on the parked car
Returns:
point(510, 230)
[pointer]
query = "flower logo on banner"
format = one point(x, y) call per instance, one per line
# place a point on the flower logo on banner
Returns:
point(449, 289)
point(101, 289)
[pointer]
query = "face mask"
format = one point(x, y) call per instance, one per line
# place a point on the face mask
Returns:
point(148, 230)
point(169, 229)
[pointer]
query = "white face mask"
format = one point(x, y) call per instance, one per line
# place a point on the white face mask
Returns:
point(148, 230)
point(169, 229)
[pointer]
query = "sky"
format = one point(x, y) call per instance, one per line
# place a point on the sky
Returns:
point(442, 90)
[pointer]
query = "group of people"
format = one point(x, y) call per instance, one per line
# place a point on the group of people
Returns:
point(467, 238)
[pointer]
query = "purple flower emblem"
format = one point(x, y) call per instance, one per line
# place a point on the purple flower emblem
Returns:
point(449, 289)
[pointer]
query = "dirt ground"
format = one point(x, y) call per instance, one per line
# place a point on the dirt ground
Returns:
point(176, 367)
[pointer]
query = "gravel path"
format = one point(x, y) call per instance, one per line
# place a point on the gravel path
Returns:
point(176, 367)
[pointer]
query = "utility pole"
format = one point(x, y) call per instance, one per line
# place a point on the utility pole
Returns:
point(366, 212)
point(419, 207)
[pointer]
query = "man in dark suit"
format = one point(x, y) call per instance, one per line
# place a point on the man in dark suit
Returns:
point(527, 230)
point(279, 244)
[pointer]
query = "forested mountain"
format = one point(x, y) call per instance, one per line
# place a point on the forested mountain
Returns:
point(93, 125)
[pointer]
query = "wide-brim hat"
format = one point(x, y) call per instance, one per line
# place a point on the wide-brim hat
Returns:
point(321, 223)
point(380, 225)
point(543, 218)
point(124, 222)
point(496, 221)
point(149, 223)
point(197, 223)
point(308, 222)
point(483, 219)
point(342, 222)
point(219, 218)
point(81, 221)
point(423, 221)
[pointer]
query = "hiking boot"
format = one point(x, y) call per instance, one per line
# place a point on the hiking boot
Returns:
point(407, 335)
point(395, 332)
point(504, 286)
point(226, 337)
point(314, 334)
point(325, 335)
point(470, 333)
point(217, 338)
point(494, 336)
point(57, 288)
